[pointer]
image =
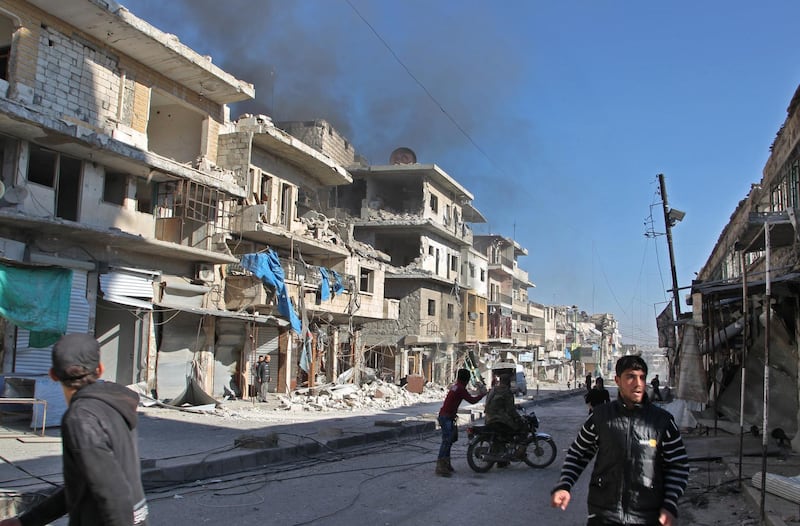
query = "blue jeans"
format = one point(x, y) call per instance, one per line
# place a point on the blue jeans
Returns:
point(448, 426)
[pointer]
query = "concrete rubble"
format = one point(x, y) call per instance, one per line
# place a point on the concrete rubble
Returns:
point(370, 396)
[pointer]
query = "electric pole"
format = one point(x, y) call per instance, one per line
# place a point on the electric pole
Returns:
point(671, 217)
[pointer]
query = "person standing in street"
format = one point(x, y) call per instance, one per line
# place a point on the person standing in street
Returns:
point(656, 384)
point(257, 377)
point(598, 395)
point(262, 372)
point(641, 468)
point(448, 415)
point(102, 477)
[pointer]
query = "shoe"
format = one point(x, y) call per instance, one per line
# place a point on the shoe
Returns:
point(441, 468)
point(521, 453)
point(503, 464)
point(450, 466)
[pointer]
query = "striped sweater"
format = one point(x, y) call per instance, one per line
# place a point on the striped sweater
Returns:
point(675, 466)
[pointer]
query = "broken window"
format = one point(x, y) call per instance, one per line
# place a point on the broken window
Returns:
point(434, 203)
point(450, 311)
point(115, 188)
point(191, 213)
point(144, 196)
point(174, 129)
point(453, 263)
point(431, 307)
point(366, 281)
point(6, 34)
point(42, 166)
point(483, 275)
point(62, 174)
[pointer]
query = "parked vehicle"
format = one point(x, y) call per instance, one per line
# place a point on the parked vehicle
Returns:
point(488, 446)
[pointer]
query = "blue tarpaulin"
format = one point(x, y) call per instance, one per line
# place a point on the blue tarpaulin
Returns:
point(325, 285)
point(267, 267)
point(36, 299)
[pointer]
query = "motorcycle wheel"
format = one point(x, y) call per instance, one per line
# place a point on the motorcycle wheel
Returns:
point(477, 452)
point(540, 453)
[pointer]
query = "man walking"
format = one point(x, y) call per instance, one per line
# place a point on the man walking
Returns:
point(641, 468)
point(656, 384)
point(102, 479)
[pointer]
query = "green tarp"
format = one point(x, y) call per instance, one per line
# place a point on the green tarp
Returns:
point(37, 299)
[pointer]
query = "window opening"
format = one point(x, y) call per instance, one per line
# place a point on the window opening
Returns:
point(115, 188)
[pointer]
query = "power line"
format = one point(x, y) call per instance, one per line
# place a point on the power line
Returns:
point(422, 86)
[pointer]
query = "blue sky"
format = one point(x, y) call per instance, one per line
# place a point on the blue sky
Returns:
point(556, 115)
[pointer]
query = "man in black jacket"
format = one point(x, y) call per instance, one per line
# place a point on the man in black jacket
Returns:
point(102, 478)
point(641, 468)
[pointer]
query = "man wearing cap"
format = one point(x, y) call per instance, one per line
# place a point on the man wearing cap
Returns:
point(102, 478)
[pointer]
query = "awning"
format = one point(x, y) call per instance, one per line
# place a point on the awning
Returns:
point(733, 288)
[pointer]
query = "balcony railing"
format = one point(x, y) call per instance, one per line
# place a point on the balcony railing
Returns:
point(292, 271)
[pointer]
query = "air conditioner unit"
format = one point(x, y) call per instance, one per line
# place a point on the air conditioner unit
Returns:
point(205, 273)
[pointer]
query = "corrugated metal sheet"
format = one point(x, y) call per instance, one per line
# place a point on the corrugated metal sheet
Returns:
point(267, 339)
point(37, 361)
point(181, 337)
point(124, 282)
point(230, 339)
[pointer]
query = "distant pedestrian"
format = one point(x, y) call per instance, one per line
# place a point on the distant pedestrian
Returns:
point(448, 415)
point(656, 384)
point(256, 377)
point(264, 377)
point(598, 395)
point(588, 382)
point(102, 478)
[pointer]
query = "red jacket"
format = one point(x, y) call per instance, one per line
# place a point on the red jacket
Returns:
point(457, 393)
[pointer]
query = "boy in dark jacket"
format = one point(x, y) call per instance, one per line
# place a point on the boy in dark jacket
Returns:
point(102, 479)
point(641, 468)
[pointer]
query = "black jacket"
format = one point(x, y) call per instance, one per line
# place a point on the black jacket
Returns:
point(102, 477)
point(627, 484)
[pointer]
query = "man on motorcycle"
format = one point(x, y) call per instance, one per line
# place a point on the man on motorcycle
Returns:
point(501, 411)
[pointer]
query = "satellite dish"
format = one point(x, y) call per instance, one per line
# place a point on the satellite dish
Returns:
point(15, 194)
point(403, 156)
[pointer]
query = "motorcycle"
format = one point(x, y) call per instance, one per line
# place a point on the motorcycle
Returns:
point(489, 446)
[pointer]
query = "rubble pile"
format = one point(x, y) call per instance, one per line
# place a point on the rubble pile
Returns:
point(372, 395)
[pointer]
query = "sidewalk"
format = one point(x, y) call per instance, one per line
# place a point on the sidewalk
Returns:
point(178, 446)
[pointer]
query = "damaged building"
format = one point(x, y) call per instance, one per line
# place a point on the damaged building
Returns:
point(730, 338)
point(122, 167)
point(190, 243)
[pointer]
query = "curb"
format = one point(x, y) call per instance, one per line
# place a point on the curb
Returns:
point(237, 460)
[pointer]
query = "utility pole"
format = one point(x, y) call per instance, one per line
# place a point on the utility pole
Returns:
point(669, 218)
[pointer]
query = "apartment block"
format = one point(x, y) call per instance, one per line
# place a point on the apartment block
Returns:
point(111, 179)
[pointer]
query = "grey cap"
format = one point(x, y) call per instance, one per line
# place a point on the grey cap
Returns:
point(75, 356)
